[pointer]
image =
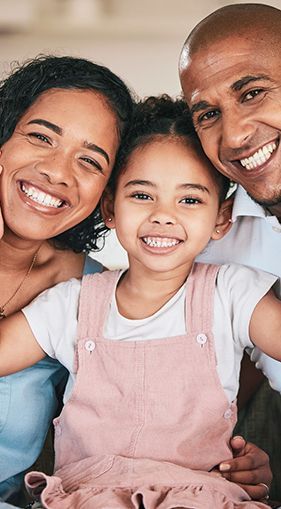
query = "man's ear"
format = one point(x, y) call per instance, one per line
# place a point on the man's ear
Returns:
point(107, 208)
point(224, 221)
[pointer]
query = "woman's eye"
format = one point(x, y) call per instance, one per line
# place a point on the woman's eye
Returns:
point(93, 163)
point(40, 137)
point(141, 196)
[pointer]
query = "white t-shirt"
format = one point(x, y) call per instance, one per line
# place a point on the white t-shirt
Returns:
point(52, 317)
point(253, 240)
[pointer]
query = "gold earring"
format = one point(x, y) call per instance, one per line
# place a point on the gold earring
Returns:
point(217, 230)
point(109, 219)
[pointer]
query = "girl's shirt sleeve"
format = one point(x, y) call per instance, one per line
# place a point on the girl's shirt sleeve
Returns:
point(52, 317)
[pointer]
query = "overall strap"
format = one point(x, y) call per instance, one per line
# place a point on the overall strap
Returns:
point(95, 297)
point(200, 293)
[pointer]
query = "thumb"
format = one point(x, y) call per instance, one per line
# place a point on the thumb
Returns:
point(238, 445)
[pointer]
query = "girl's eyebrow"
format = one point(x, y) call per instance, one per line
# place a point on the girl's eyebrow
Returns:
point(138, 182)
point(198, 187)
point(186, 185)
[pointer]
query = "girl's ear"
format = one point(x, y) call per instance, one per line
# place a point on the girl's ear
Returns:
point(224, 221)
point(107, 208)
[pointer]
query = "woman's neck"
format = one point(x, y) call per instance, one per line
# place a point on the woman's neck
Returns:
point(141, 293)
point(16, 253)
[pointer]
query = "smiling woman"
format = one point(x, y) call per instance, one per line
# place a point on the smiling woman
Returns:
point(61, 122)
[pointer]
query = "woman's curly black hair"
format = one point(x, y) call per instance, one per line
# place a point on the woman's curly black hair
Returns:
point(28, 81)
point(153, 118)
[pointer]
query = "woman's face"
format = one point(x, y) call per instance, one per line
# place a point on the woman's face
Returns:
point(57, 163)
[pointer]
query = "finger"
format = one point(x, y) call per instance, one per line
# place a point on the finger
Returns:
point(238, 445)
point(252, 477)
point(256, 492)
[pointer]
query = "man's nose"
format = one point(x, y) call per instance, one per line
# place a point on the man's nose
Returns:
point(237, 130)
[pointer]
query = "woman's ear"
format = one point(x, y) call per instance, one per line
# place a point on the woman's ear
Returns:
point(107, 208)
point(224, 221)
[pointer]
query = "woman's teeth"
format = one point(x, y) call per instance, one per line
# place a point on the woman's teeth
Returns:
point(160, 242)
point(39, 197)
point(259, 158)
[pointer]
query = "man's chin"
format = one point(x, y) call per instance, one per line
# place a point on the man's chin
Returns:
point(274, 202)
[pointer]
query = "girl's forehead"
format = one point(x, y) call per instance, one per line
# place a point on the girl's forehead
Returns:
point(173, 158)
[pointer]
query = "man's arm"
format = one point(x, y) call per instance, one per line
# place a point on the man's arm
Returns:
point(249, 468)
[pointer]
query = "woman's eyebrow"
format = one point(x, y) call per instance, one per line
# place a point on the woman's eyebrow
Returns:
point(58, 130)
point(96, 148)
point(46, 123)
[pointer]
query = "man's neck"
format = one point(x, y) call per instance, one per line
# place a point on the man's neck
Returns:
point(275, 210)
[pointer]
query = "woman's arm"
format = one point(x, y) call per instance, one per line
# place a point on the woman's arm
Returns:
point(18, 346)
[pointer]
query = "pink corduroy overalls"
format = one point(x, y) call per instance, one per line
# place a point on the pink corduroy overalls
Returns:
point(146, 420)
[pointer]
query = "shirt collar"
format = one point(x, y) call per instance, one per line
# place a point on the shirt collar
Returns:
point(244, 206)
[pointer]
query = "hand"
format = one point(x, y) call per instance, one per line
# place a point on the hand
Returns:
point(249, 468)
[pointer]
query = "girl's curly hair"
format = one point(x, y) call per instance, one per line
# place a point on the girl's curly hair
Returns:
point(155, 118)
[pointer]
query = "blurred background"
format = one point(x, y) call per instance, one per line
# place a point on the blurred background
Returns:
point(139, 40)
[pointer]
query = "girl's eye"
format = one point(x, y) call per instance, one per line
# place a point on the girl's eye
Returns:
point(141, 196)
point(40, 137)
point(93, 163)
point(190, 201)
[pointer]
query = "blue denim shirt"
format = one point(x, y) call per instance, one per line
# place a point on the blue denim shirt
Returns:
point(28, 404)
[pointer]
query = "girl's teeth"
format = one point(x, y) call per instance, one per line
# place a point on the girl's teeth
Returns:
point(159, 242)
point(39, 197)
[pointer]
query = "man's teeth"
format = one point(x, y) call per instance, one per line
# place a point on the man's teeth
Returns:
point(160, 242)
point(40, 197)
point(258, 158)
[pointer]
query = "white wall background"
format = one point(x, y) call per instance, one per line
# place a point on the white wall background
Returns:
point(138, 39)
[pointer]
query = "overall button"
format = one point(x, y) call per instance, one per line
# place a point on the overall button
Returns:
point(201, 339)
point(227, 414)
point(90, 345)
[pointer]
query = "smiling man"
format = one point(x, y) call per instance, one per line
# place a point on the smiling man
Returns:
point(230, 71)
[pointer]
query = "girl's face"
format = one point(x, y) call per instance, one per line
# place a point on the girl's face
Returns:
point(57, 163)
point(166, 206)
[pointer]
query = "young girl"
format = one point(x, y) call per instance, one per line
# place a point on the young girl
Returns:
point(154, 366)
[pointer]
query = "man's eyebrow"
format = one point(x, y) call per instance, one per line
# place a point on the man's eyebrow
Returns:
point(239, 84)
point(139, 182)
point(46, 123)
point(201, 105)
point(96, 148)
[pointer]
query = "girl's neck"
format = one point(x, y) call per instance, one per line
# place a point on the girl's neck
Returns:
point(141, 293)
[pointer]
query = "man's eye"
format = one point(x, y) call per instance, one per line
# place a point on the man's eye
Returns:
point(208, 115)
point(252, 94)
point(141, 196)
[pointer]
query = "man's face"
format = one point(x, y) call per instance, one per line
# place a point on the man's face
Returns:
point(233, 89)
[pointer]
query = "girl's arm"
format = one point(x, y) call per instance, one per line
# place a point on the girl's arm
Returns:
point(18, 346)
point(265, 325)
